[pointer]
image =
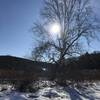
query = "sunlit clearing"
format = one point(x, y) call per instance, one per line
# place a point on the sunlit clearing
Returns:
point(55, 29)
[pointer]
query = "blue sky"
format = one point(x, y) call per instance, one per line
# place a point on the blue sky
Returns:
point(16, 20)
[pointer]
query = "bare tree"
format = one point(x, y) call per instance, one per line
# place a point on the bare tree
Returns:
point(77, 23)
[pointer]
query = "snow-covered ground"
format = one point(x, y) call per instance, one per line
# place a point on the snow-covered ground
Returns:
point(91, 92)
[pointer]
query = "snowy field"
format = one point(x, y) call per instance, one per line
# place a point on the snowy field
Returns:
point(91, 92)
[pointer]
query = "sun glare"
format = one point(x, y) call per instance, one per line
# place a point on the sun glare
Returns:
point(55, 29)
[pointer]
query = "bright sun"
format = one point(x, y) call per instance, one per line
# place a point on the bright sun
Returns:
point(55, 29)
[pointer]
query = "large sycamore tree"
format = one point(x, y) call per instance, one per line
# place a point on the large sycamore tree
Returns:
point(63, 26)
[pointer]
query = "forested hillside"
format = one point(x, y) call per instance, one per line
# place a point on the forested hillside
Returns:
point(84, 67)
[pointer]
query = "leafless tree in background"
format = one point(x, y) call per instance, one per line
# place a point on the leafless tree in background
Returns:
point(77, 23)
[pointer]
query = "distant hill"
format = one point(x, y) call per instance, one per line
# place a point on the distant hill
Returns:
point(20, 68)
point(86, 66)
point(10, 62)
point(86, 61)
